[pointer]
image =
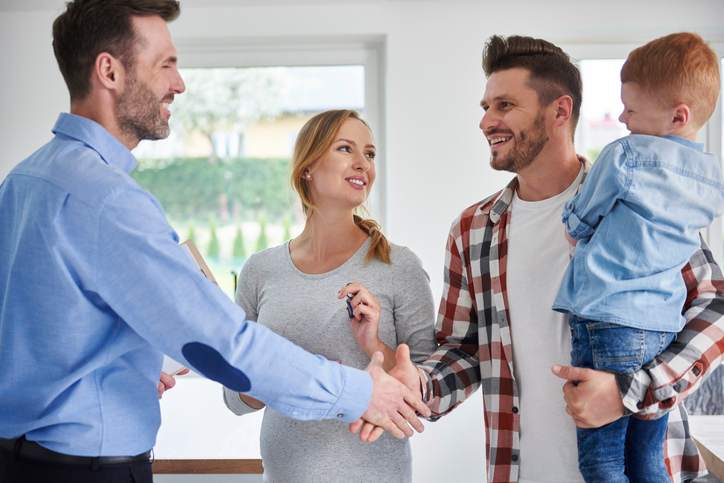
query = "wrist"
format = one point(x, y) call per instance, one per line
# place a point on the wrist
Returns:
point(375, 345)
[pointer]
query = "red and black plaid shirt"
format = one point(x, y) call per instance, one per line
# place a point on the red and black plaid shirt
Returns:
point(473, 330)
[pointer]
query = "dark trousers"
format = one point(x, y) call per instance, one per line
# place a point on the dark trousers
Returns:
point(14, 469)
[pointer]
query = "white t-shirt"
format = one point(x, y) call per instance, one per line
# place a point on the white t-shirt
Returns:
point(538, 255)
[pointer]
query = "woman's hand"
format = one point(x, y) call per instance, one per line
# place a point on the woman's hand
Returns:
point(365, 321)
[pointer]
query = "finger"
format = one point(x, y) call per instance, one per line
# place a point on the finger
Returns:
point(160, 389)
point(351, 287)
point(167, 380)
point(376, 361)
point(355, 427)
point(402, 355)
point(183, 372)
point(375, 435)
point(388, 425)
point(369, 301)
point(401, 423)
point(363, 297)
point(366, 432)
point(412, 418)
point(582, 424)
point(570, 396)
point(365, 312)
point(415, 402)
point(571, 373)
point(567, 392)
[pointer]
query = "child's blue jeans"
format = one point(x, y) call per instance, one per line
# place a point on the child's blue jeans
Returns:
point(630, 448)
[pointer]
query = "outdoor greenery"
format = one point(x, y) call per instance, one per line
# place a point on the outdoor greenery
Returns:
point(239, 189)
point(226, 206)
point(239, 250)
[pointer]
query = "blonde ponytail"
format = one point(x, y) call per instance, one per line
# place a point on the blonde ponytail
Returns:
point(379, 246)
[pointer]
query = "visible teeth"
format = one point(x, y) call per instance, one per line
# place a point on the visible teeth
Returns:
point(497, 140)
point(357, 181)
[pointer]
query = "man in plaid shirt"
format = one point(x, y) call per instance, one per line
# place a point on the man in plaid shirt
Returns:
point(504, 262)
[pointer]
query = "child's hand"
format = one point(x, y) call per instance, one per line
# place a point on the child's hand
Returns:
point(572, 242)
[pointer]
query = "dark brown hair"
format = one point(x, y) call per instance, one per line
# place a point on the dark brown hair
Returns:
point(314, 140)
point(677, 68)
point(552, 74)
point(89, 27)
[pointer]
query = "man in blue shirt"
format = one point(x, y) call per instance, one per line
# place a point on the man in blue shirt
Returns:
point(94, 286)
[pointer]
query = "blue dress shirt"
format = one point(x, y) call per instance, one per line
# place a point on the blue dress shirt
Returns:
point(637, 219)
point(94, 287)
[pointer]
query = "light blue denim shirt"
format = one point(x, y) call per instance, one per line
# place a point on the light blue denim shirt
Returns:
point(637, 219)
point(94, 287)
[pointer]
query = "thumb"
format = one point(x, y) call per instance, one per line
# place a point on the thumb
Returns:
point(376, 361)
point(402, 355)
point(571, 373)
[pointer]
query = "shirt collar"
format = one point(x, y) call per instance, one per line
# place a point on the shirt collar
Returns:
point(686, 142)
point(502, 202)
point(96, 137)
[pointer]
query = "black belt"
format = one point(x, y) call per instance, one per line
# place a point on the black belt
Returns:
point(29, 450)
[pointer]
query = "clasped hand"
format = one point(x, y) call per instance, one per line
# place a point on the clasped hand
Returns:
point(396, 400)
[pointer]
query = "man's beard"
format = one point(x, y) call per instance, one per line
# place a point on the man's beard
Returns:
point(139, 112)
point(528, 145)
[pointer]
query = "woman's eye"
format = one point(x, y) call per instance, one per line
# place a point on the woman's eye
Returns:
point(371, 156)
point(345, 148)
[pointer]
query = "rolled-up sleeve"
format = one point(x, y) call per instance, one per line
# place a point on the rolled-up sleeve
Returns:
point(606, 184)
point(235, 404)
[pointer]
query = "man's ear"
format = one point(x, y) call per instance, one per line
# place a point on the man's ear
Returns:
point(681, 116)
point(563, 109)
point(108, 71)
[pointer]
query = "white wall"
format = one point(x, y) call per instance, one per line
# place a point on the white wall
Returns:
point(435, 156)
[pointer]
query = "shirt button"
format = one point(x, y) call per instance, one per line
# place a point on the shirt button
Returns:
point(514, 457)
point(515, 409)
point(340, 415)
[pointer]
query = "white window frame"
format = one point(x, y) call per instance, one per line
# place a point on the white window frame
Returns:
point(711, 135)
point(367, 51)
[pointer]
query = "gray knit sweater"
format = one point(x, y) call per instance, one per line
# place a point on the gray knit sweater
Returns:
point(304, 308)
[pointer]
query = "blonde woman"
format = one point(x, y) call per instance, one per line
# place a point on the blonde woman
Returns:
point(299, 289)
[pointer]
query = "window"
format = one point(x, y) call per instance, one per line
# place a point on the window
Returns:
point(598, 124)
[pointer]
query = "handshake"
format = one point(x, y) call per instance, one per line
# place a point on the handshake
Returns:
point(396, 399)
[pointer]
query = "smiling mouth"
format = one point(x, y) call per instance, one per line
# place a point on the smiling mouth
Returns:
point(498, 140)
point(357, 182)
point(166, 108)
